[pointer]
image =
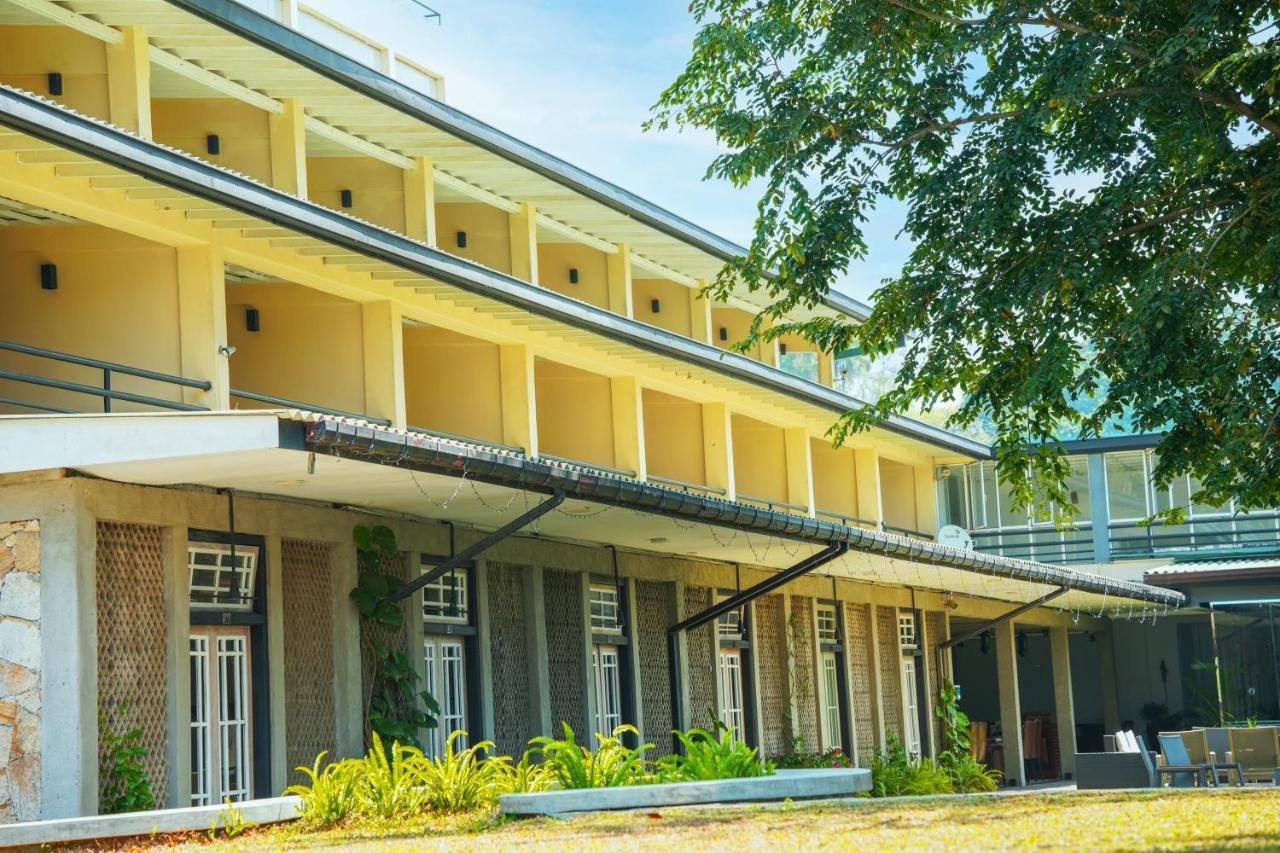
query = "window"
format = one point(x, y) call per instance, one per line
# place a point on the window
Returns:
point(1127, 489)
point(732, 712)
point(445, 598)
point(605, 610)
point(906, 630)
point(605, 663)
point(447, 683)
point(910, 708)
point(216, 580)
point(221, 763)
point(830, 698)
point(828, 630)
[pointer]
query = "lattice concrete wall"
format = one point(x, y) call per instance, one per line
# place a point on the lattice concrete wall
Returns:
point(771, 658)
point(861, 681)
point(397, 567)
point(804, 676)
point(132, 641)
point(934, 630)
point(306, 597)
point(701, 649)
point(509, 658)
point(566, 642)
point(20, 666)
point(890, 669)
point(655, 612)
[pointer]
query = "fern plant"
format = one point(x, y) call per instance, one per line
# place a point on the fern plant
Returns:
point(463, 779)
point(332, 796)
point(612, 764)
point(712, 756)
point(525, 776)
point(391, 780)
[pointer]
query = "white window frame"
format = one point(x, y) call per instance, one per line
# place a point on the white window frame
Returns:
point(445, 662)
point(221, 668)
point(829, 697)
point(606, 666)
point(731, 694)
point(828, 623)
point(435, 597)
point(910, 707)
point(607, 597)
point(246, 558)
point(908, 638)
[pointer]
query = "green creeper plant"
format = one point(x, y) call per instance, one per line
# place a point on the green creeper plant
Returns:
point(954, 722)
point(395, 710)
point(1091, 202)
point(125, 787)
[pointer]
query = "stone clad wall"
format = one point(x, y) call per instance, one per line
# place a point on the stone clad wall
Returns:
point(19, 671)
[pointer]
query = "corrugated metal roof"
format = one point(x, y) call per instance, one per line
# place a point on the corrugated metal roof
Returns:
point(1209, 566)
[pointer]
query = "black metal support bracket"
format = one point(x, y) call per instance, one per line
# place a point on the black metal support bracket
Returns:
point(999, 620)
point(715, 611)
point(469, 553)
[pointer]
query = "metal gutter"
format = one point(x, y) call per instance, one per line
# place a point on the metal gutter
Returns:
point(327, 62)
point(369, 443)
point(53, 123)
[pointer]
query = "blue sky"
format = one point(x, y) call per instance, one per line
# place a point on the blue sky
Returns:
point(577, 78)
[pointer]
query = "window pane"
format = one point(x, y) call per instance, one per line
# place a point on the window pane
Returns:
point(1126, 486)
point(1077, 485)
point(951, 497)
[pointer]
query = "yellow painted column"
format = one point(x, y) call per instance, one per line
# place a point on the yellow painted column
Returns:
point(866, 468)
point(699, 314)
point(620, 300)
point(524, 243)
point(799, 467)
point(628, 425)
point(129, 81)
point(926, 499)
point(384, 362)
point(202, 325)
point(519, 400)
point(826, 369)
point(717, 447)
point(1063, 701)
point(420, 201)
point(289, 148)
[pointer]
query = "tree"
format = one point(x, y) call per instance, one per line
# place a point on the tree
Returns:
point(1091, 190)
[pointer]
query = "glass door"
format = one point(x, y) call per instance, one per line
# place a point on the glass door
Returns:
point(221, 720)
point(910, 708)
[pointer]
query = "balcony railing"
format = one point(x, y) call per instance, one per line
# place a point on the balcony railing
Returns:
point(106, 393)
point(1044, 543)
point(1224, 532)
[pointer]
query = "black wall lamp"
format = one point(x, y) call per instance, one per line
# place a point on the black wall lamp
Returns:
point(573, 275)
point(48, 277)
point(213, 144)
point(655, 306)
point(462, 239)
point(252, 320)
point(55, 83)
point(782, 349)
point(346, 197)
point(724, 333)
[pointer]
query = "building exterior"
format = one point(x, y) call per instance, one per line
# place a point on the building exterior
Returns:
point(263, 286)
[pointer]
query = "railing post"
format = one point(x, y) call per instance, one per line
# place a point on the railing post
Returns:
point(1099, 513)
point(106, 386)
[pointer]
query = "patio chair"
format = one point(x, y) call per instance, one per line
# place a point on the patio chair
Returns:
point(1219, 743)
point(1257, 751)
point(1197, 743)
point(1129, 766)
point(1178, 765)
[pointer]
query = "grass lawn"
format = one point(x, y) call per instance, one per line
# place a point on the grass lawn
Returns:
point(1090, 821)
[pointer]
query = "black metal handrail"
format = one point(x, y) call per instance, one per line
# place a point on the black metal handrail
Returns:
point(306, 407)
point(106, 393)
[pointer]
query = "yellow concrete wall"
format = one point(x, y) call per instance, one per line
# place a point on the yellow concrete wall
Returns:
point(117, 300)
point(377, 189)
point(555, 261)
point(29, 54)
point(673, 437)
point(575, 412)
point(759, 459)
point(835, 488)
point(243, 132)
point(673, 302)
point(488, 233)
point(310, 348)
point(452, 383)
point(736, 323)
point(898, 492)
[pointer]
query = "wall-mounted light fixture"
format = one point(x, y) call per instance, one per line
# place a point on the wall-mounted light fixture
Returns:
point(213, 144)
point(782, 349)
point(346, 198)
point(48, 277)
point(655, 306)
point(1021, 645)
point(724, 333)
point(252, 320)
point(55, 83)
point(573, 275)
point(462, 239)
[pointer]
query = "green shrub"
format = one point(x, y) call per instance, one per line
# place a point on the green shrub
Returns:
point(332, 796)
point(463, 779)
point(830, 758)
point(125, 786)
point(612, 764)
point(390, 785)
point(894, 773)
point(710, 756)
point(526, 776)
point(968, 774)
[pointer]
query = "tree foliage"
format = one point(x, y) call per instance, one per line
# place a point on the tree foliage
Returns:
point(1091, 190)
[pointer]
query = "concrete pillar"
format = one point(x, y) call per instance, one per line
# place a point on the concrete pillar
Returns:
point(752, 677)
point(788, 672)
point(717, 447)
point(1010, 702)
point(288, 134)
point(619, 271)
point(69, 663)
point(275, 666)
point(634, 689)
point(519, 398)
point(484, 645)
point(799, 467)
point(928, 699)
point(1107, 677)
point(1063, 702)
point(202, 327)
point(587, 664)
point(682, 661)
point(866, 468)
point(348, 687)
point(536, 648)
point(523, 225)
point(177, 667)
point(384, 395)
point(628, 425)
point(129, 81)
point(420, 201)
point(699, 314)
